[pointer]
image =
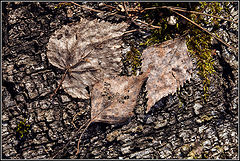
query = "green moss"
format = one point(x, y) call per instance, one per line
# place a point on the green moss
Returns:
point(199, 47)
point(22, 129)
point(197, 152)
point(180, 104)
point(61, 4)
point(199, 42)
point(133, 59)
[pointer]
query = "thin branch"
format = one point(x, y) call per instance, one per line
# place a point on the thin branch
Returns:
point(185, 10)
point(79, 140)
point(206, 31)
point(96, 10)
point(69, 141)
point(153, 8)
point(114, 15)
point(109, 6)
point(125, 8)
point(156, 27)
point(87, 7)
point(200, 13)
point(130, 31)
point(74, 117)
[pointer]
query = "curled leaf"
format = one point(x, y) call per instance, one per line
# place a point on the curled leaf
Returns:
point(113, 100)
point(90, 50)
point(170, 66)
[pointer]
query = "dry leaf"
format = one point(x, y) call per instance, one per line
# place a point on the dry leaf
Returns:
point(170, 67)
point(113, 100)
point(91, 50)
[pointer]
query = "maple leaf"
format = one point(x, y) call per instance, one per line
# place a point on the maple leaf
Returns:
point(89, 51)
point(170, 66)
point(113, 100)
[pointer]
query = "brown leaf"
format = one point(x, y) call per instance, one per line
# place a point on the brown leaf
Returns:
point(113, 100)
point(170, 67)
point(91, 50)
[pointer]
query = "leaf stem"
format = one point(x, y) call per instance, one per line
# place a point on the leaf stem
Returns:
point(63, 77)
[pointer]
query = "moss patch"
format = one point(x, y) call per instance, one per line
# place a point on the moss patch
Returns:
point(22, 129)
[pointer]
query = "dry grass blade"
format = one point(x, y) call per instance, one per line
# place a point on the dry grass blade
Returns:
point(200, 13)
point(155, 27)
point(127, 32)
point(87, 7)
point(185, 10)
point(97, 10)
point(207, 31)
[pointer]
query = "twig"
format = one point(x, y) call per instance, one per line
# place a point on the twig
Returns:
point(152, 8)
point(109, 6)
point(88, 123)
point(79, 140)
point(130, 31)
point(200, 13)
point(114, 15)
point(134, 20)
point(185, 10)
point(87, 7)
point(96, 10)
point(125, 8)
point(206, 31)
point(69, 141)
point(74, 119)
point(156, 27)
point(93, 119)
